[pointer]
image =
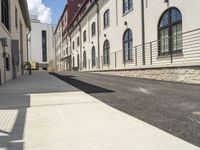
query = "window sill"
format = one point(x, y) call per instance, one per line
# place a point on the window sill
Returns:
point(127, 12)
point(128, 61)
point(176, 54)
point(106, 27)
point(106, 65)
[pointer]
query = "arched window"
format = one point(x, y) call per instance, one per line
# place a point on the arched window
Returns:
point(93, 57)
point(84, 36)
point(127, 5)
point(93, 28)
point(106, 18)
point(84, 60)
point(78, 60)
point(127, 45)
point(106, 52)
point(170, 32)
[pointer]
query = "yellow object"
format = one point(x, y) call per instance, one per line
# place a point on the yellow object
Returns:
point(33, 65)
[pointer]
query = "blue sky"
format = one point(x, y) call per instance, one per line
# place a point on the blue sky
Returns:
point(48, 11)
point(57, 7)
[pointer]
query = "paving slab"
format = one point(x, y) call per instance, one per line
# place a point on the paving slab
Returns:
point(40, 112)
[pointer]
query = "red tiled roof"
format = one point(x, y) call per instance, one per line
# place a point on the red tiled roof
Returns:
point(73, 7)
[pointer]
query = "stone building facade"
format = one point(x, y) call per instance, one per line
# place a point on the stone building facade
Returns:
point(15, 25)
point(134, 34)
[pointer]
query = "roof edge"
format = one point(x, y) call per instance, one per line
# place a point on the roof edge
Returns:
point(25, 12)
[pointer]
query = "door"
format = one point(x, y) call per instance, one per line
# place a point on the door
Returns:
point(15, 57)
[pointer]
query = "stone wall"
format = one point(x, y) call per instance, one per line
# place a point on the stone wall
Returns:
point(184, 75)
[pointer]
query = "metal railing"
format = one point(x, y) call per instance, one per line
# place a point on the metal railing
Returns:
point(179, 50)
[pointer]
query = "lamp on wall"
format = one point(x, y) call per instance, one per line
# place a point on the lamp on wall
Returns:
point(4, 42)
point(104, 35)
point(166, 1)
point(125, 23)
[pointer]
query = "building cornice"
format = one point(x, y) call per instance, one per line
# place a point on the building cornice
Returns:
point(25, 12)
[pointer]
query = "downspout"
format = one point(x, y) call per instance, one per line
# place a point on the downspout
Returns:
point(80, 40)
point(143, 32)
point(60, 45)
point(27, 44)
point(4, 58)
point(55, 53)
point(70, 41)
point(98, 33)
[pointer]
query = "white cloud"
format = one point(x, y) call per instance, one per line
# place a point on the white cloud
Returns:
point(37, 7)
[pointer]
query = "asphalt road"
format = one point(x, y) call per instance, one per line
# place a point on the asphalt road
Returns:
point(172, 107)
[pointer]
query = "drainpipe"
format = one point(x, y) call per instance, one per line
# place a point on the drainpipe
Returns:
point(27, 44)
point(70, 41)
point(55, 46)
point(60, 45)
point(98, 32)
point(4, 59)
point(143, 32)
point(80, 42)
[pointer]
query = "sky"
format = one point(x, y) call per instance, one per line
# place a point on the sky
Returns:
point(48, 11)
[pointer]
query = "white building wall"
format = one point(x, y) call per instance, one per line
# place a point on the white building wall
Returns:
point(114, 33)
point(35, 43)
point(13, 34)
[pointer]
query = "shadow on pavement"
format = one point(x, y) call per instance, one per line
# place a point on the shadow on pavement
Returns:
point(15, 100)
point(83, 86)
point(12, 123)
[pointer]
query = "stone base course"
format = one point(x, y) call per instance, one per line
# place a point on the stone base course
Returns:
point(184, 75)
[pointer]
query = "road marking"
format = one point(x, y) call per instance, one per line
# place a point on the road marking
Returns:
point(194, 120)
point(145, 91)
point(142, 90)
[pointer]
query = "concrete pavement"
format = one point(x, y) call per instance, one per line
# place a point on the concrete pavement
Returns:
point(40, 112)
point(172, 107)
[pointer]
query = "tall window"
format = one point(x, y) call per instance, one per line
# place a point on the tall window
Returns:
point(106, 52)
point(16, 18)
point(106, 18)
point(84, 35)
point(84, 60)
point(93, 28)
point(78, 41)
point(78, 60)
point(73, 63)
point(127, 5)
point(170, 32)
point(73, 46)
point(5, 13)
point(93, 57)
point(127, 45)
point(44, 46)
